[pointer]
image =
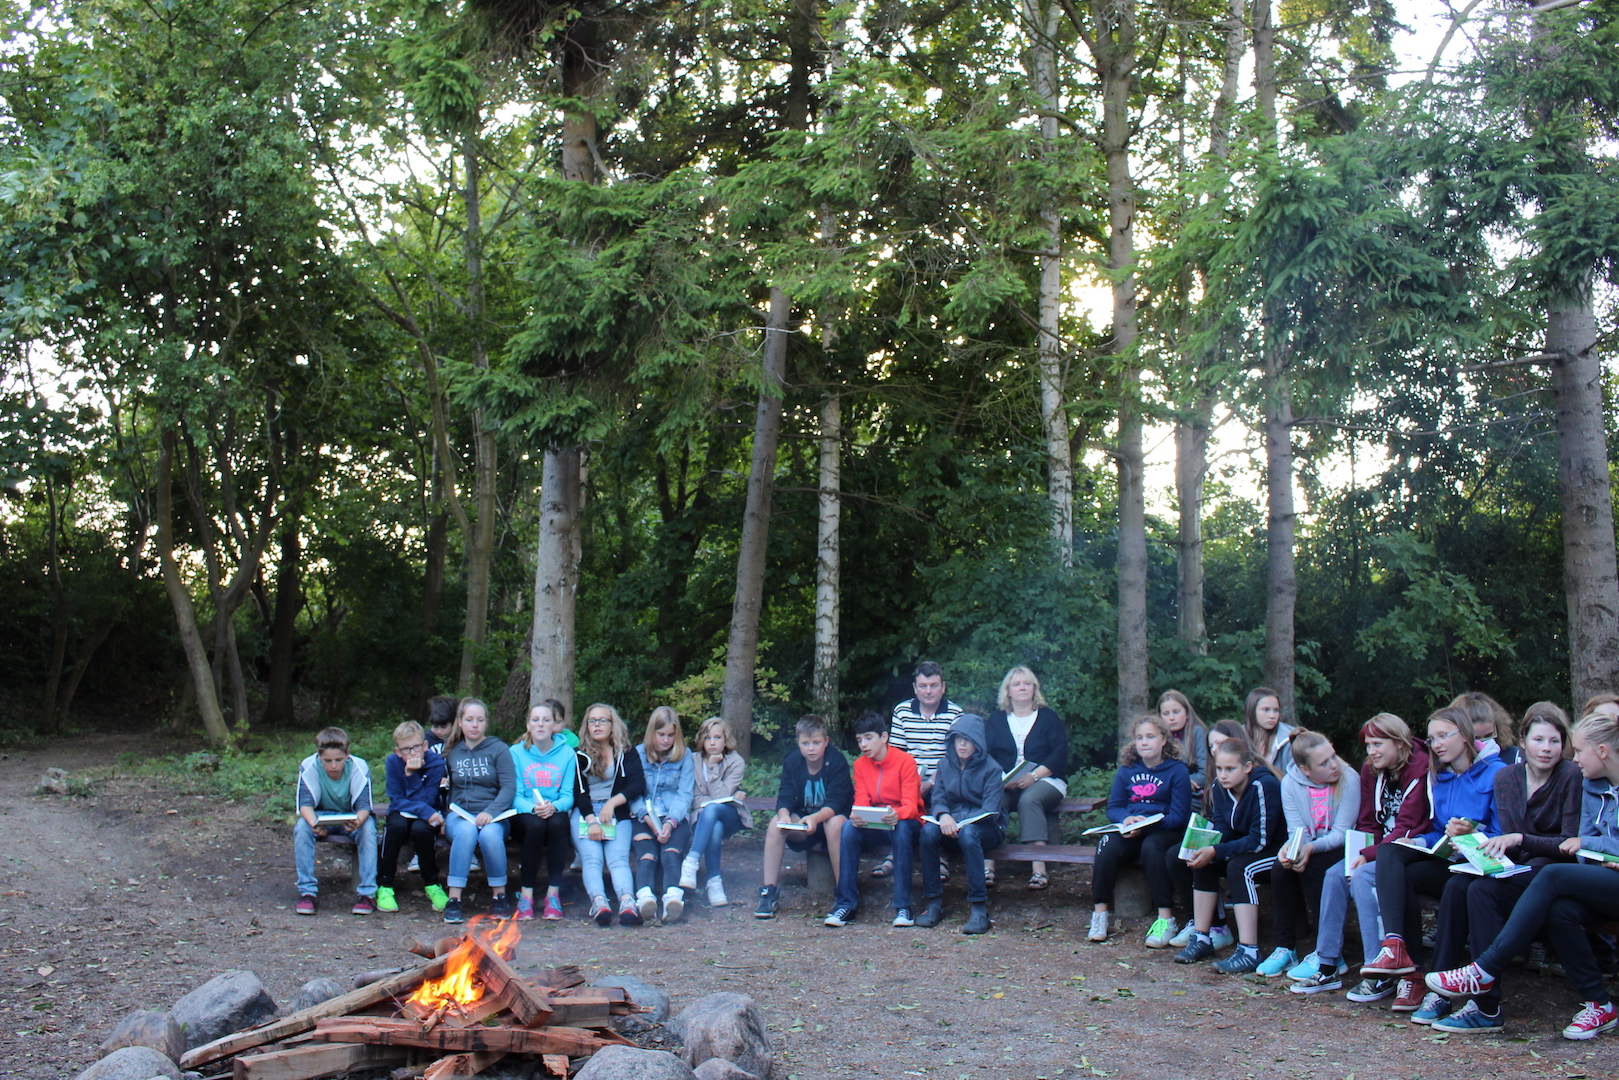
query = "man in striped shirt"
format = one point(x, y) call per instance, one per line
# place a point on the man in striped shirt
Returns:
point(921, 725)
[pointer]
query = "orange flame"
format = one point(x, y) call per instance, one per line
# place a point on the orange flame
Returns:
point(461, 983)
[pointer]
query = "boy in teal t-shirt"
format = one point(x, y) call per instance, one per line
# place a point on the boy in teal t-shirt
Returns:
point(333, 782)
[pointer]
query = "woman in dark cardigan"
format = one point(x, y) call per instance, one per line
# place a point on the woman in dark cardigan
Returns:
point(1538, 803)
point(1025, 729)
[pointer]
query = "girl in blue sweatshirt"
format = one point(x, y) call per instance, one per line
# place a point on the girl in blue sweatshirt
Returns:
point(1152, 779)
point(544, 765)
point(1461, 788)
point(1247, 811)
point(663, 831)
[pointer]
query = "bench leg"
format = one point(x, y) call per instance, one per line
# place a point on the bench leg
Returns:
point(818, 872)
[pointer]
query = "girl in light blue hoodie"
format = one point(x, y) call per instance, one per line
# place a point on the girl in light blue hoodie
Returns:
point(544, 767)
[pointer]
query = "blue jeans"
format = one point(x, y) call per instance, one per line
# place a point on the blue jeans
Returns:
point(490, 840)
point(1336, 891)
point(903, 840)
point(303, 854)
point(715, 822)
point(615, 852)
point(973, 840)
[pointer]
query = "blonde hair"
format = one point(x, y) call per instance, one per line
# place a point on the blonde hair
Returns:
point(1599, 728)
point(1003, 700)
point(1306, 742)
point(1193, 721)
point(1172, 747)
point(712, 724)
point(453, 739)
point(663, 717)
point(618, 744)
point(410, 729)
point(528, 739)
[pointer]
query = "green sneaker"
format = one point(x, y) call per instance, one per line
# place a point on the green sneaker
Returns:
point(1159, 933)
point(436, 896)
point(385, 899)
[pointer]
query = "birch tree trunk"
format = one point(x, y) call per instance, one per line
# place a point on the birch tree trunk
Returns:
point(824, 695)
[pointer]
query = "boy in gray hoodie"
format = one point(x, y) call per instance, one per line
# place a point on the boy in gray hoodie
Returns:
point(966, 803)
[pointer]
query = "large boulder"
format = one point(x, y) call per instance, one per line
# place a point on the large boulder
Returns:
point(315, 991)
point(222, 1005)
point(133, 1063)
point(630, 1063)
point(642, 993)
point(728, 1026)
point(720, 1069)
point(147, 1027)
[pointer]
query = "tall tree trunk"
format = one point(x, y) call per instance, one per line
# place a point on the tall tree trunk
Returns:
point(59, 608)
point(185, 616)
point(742, 647)
point(1584, 487)
point(436, 548)
point(278, 708)
point(824, 697)
point(481, 543)
point(556, 580)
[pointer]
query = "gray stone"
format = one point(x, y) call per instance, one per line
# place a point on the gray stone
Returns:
point(147, 1027)
point(630, 1063)
point(728, 1026)
point(720, 1069)
point(53, 782)
point(315, 991)
point(224, 1004)
point(133, 1063)
point(641, 993)
point(1131, 897)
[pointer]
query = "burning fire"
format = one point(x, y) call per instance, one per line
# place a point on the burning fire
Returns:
point(461, 984)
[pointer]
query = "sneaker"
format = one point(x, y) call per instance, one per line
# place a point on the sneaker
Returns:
point(1433, 1008)
point(1098, 931)
point(902, 917)
point(1302, 970)
point(477, 863)
point(1319, 982)
point(600, 911)
point(385, 899)
point(1469, 1020)
point(716, 892)
point(363, 905)
point(674, 904)
point(1277, 963)
point(501, 906)
point(552, 912)
point(452, 912)
point(1392, 959)
point(769, 897)
point(306, 905)
point(647, 904)
point(437, 896)
point(631, 915)
point(840, 916)
point(1241, 962)
point(415, 866)
point(1591, 1021)
point(688, 871)
point(1407, 994)
point(525, 909)
point(1462, 982)
point(1160, 933)
point(1221, 937)
point(1183, 937)
point(1197, 949)
point(1368, 990)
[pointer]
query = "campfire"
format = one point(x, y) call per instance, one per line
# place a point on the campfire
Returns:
point(459, 1013)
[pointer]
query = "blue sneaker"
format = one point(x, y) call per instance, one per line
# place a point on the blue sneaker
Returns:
point(1434, 1008)
point(1241, 962)
point(1469, 1020)
point(1305, 968)
point(1197, 949)
point(1221, 938)
point(1277, 962)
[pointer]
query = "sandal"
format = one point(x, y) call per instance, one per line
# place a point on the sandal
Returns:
point(1037, 881)
point(883, 869)
point(989, 874)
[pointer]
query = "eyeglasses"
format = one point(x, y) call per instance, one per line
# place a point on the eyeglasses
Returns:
point(411, 749)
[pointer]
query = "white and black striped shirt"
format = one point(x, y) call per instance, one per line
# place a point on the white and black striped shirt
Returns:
point(922, 737)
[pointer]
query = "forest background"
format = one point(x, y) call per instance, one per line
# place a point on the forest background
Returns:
point(737, 354)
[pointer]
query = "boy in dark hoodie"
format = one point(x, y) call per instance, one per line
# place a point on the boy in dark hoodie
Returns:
point(966, 800)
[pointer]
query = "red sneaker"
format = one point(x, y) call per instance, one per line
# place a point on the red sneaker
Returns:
point(306, 905)
point(1592, 1020)
point(1409, 995)
point(1391, 960)
point(1462, 982)
point(363, 905)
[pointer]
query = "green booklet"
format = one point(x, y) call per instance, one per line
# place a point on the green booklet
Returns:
point(1200, 833)
point(1597, 856)
point(609, 829)
point(1480, 862)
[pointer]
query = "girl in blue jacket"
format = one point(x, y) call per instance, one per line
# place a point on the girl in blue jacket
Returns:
point(663, 831)
point(1152, 779)
point(544, 767)
point(1246, 808)
point(1461, 789)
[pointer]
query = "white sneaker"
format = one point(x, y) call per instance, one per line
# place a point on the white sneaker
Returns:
point(1098, 926)
point(716, 892)
point(688, 871)
point(674, 904)
point(415, 866)
point(647, 903)
point(1184, 938)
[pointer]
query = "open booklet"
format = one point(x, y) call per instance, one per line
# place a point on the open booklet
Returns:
point(470, 816)
point(931, 820)
point(1200, 833)
point(871, 817)
point(1123, 829)
point(1018, 771)
point(1481, 863)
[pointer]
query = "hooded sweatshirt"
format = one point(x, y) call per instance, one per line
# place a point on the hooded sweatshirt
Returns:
point(1599, 817)
point(964, 789)
point(1324, 813)
point(1252, 822)
point(1413, 811)
point(359, 778)
point(481, 776)
point(546, 774)
point(1469, 794)
point(413, 793)
point(1140, 791)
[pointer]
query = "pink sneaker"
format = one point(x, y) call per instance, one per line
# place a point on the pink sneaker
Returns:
point(363, 905)
point(553, 909)
point(306, 905)
point(1462, 982)
point(1592, 1020)
point(525, 909)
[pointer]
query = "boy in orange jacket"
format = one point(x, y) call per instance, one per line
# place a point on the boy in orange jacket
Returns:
point(885, 779)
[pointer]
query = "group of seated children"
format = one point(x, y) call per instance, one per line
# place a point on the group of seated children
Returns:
point(1512, 843)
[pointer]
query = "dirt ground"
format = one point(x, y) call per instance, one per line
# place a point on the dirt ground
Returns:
point(135, 895)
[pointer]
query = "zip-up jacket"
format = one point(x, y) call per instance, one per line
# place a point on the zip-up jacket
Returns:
point(1139, 791)
point(1599, 817)
point(1252, 822)
point(544, 775)
point(1415, 812)
point(1469, 794)
point(669, 787)
point(1545, 819)
point(964, 789)
point(890, 782)
point(309, 771)
point(413, 792)
point(710, 782)
point(628, 780)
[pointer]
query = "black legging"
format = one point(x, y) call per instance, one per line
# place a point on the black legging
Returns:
point(1180, 877)
point(419, 835)
point(547, 834)
point(1404, 876)
point(648, 852)
point(1293, 891)
point(1114, 850)
point(1562, 899)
